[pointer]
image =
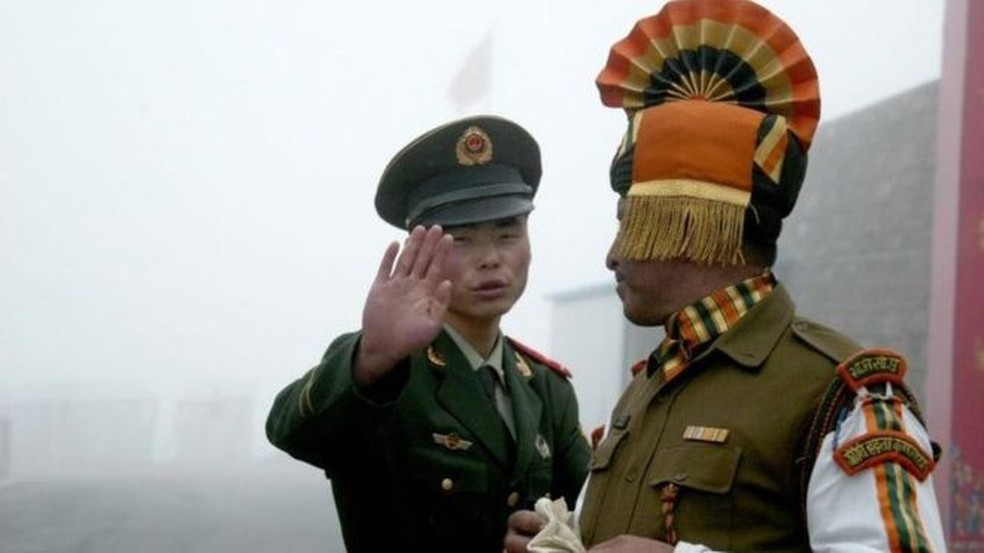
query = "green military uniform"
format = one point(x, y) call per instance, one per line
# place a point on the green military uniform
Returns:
point(423, 462)
point(762, 381)
point(427, 458)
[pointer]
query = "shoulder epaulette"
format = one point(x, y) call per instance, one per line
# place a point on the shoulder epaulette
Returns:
point(555, 366)
point(825, 340)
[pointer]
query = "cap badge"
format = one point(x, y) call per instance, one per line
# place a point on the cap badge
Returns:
point(474, 147)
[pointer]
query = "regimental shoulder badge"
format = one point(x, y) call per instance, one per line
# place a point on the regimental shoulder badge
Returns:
point(884, 446)
point(639, 366)
point(474, 147)
point(872, 366)
point(555, 366)
point(436, 357)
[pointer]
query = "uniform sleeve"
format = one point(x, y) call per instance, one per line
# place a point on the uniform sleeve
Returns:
point(871, 488)
point(318, 417)
point(574, 455)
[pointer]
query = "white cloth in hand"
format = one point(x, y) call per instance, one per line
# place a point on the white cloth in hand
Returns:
point(561, 534)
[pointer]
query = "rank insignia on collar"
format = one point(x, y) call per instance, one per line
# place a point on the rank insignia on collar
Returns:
point(522, 367)
point(706, 434)
point(436, 357)
point(542, 446)
point(474, 147)
point(452, 441)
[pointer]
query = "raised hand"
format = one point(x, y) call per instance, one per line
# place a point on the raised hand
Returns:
point(406, 304)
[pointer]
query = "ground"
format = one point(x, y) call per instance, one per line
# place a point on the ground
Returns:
point(264, 508)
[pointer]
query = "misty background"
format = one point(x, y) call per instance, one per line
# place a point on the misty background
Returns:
point(186, 220)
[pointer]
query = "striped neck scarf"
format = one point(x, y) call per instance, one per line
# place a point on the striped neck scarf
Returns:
point(695, 327)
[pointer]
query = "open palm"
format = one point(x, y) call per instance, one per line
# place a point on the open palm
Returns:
point(407, 301)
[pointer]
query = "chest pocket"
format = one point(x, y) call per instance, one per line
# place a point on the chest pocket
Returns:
point(706, 468)
point(705, 475)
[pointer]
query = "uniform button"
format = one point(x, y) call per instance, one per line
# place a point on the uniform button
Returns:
point(680, 477)
point(630, 478)
point(447, 484)
point(513, 499)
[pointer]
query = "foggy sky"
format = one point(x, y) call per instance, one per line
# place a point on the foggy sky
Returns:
point(186, 186)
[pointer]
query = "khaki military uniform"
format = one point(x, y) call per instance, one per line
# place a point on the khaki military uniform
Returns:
point(423, 462)
point(727, 432)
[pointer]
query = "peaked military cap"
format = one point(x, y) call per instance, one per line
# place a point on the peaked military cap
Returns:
point(467, 171)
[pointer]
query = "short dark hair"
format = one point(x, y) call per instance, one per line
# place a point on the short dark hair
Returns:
point(758, 252)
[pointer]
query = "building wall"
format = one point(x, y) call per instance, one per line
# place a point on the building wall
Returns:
point(590, 335)
point(855, 253)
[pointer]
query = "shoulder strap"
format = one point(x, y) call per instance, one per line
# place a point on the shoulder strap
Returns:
point(540, 358)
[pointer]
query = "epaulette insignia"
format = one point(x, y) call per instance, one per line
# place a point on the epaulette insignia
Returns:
point(521, 366)
point(451, 441)
point(870, 366)
point(436, 357)
point(639, 366)
point(881, 447)
point(540, 358)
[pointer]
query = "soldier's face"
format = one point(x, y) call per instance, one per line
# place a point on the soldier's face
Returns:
point(488, 267)
point(650, 290)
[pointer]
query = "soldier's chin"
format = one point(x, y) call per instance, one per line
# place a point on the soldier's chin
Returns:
point(640, 318)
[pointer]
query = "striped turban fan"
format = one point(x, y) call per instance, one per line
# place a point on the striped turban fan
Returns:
point(722, 103)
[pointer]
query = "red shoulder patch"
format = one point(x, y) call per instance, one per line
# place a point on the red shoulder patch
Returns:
point(870, 366)
point(884, 446)
point(639, 366)
point(555, 366)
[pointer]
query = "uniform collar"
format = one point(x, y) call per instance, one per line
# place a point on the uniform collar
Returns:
point(474, 358)
point(692, 331)
point(755, 336)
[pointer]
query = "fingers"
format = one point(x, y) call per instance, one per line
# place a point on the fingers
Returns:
point(386, 263)
point(438, 264)
point(521, 528)
point(404, 263)
point(424, 254)
point(526, 523)
point(425, 257)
